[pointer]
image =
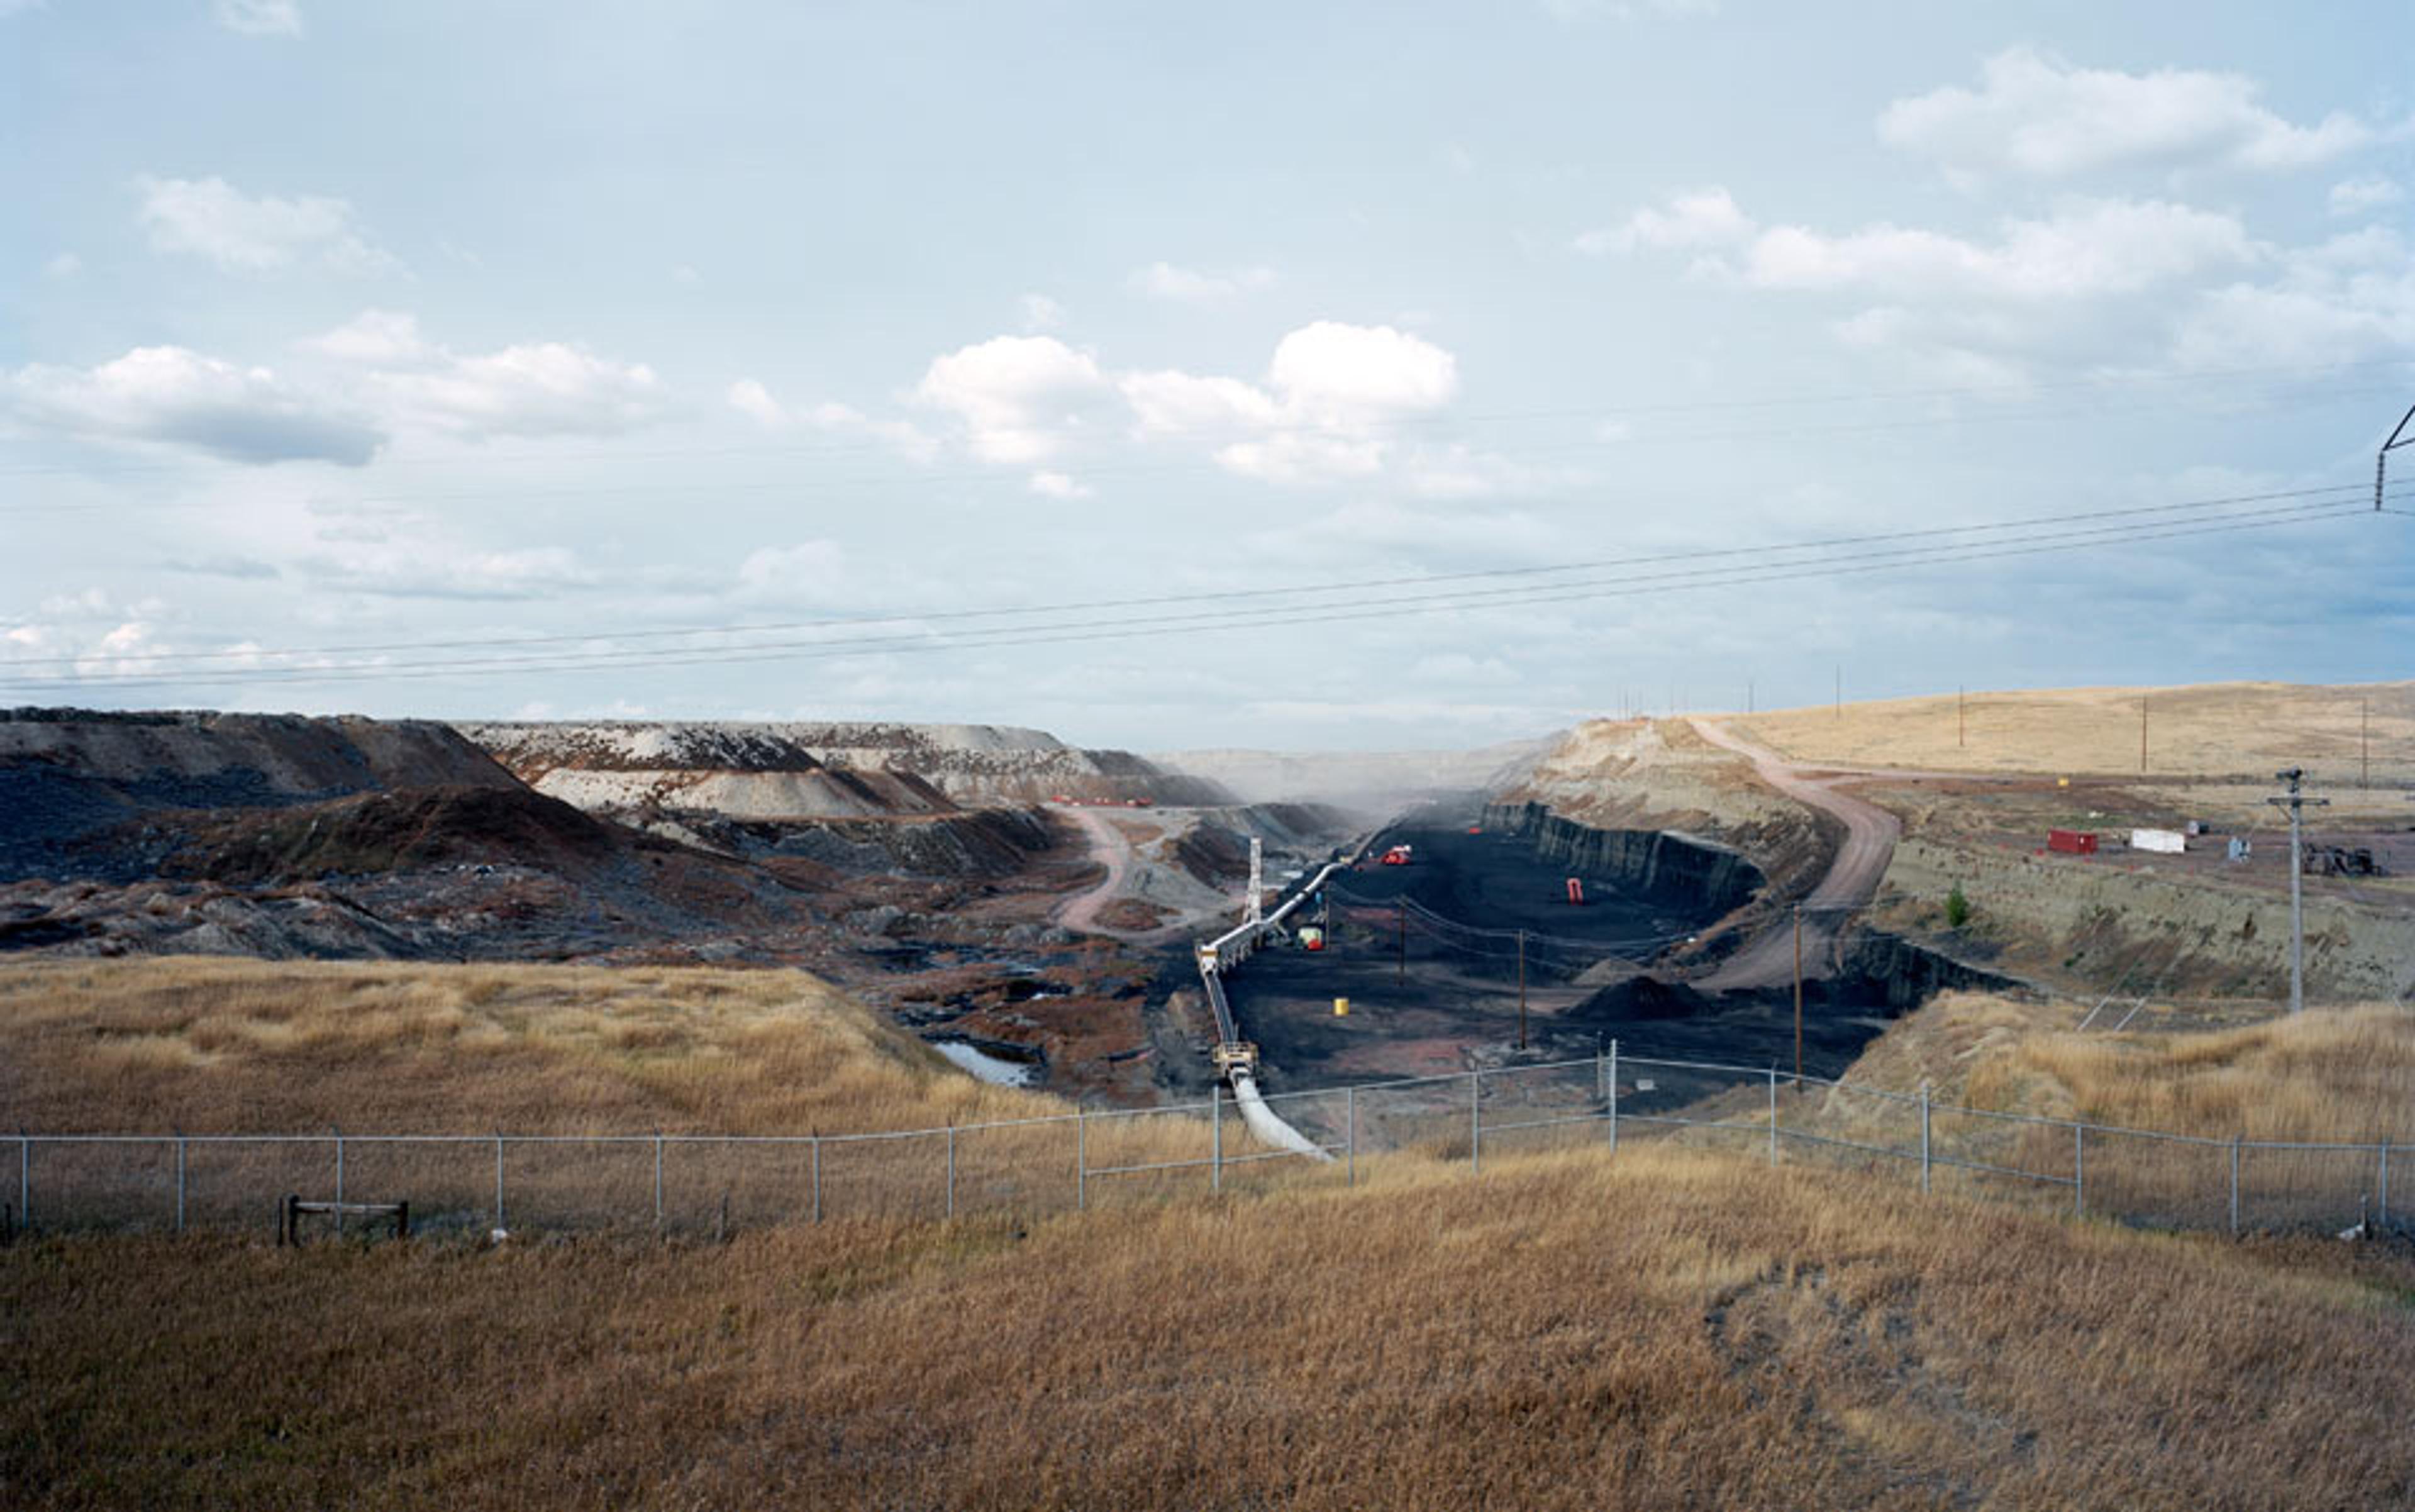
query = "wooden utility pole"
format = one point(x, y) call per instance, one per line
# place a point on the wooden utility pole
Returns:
point(1798, 996)
point(1521, 989)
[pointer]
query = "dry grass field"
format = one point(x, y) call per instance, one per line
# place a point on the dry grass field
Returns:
point(2221, 729)
point(226, 1046)
point(1661, 1329)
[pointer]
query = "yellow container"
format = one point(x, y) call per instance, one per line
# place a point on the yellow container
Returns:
point(1341, 1008)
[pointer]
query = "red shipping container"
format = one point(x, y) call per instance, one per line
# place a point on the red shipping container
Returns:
point(2072, 842)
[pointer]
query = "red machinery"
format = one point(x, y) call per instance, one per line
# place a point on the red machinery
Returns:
point(1397, 855)
point(1576, 891)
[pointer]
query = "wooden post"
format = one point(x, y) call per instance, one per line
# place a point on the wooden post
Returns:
point(1798, 995)
point(1521, 989)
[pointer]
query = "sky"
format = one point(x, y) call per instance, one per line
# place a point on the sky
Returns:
point(1336, 377)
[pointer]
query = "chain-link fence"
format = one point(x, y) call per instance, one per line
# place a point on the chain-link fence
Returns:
point(699, 1183)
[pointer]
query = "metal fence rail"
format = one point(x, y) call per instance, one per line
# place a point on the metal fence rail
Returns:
point(476, 1183)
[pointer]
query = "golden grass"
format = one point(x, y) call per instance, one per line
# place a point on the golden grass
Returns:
point(2246, 729)
point(1657, 1330)
point(209, 1046)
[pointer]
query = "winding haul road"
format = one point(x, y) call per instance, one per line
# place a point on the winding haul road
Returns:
point(1852, 878)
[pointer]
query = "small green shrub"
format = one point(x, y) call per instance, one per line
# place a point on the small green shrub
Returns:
point(1957, 909)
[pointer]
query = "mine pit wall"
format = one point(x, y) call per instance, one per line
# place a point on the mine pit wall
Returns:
point(1875, 964)
point(1699, 872)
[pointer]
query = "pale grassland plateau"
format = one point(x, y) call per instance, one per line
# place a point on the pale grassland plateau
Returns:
point(2221, 729)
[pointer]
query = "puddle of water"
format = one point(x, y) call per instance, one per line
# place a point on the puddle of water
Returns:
point(995, 1070)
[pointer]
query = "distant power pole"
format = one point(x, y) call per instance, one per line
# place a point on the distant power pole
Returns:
point(2295, 802)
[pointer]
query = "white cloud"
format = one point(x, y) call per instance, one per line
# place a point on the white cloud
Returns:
point(1041, 313)
point(542, 388)
point(1018, 396)
point(2086, 247)
point(424, 570)
point(1702, 220)
point(1059, 486)
point(1191, 286)
point(751, 399)
point(65, 265)
point(2346, 299)
point(2035, 116)
point(375, 337)
point(209, 218)
point(685, 276)
point(259, 18)
point(170, 396)
point(539, 388)
point(2355, 195)
point(1333, 394)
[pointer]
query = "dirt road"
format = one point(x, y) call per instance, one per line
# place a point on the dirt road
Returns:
point(1111, 850)
point(1853, 877)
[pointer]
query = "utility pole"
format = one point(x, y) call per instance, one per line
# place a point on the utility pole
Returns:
point(1798, 996)
point(2381, 458)
point(1521, 989)
point(2295, 802)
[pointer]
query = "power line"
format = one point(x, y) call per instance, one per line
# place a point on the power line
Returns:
point(1232, 595)
point(1152, 626)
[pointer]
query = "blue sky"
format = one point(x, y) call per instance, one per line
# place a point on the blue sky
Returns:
point(400, 337)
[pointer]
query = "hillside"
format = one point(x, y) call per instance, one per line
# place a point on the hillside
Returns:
point(803, 770)
point(1658, 1329)
point(284, 836)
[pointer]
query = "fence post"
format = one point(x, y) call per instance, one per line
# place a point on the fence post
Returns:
point(339, 1180)
point(1924, 1139)
point(1613, 1096)
point(1773, 1115)
point(2079, 1170)
point(818, 1176)
point(498, 1181)
point(658, 1181)
point(951, 1170)
point(1351, 1124)
point(180, 1181)
point(2234, 1185)
point(1216, 1136)
point(1081, 1159)
point(1474, 1122)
